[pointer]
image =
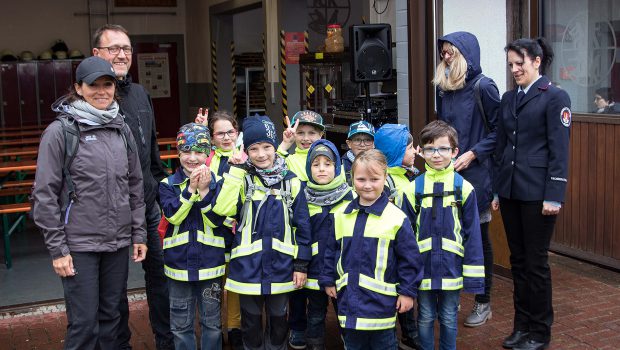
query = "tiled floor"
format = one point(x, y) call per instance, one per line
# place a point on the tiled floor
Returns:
point(586, 303)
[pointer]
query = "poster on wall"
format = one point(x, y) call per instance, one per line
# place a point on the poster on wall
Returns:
point(153, 73)
point(294, 46)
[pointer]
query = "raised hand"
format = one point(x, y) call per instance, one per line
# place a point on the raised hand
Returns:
point(288, 136)
point(194, 177)
point(202, 118)
point(205, 178)
point(238, 156)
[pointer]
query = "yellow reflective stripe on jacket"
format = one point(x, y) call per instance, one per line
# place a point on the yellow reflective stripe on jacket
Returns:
point(243, 288)
point(425, 284)
point(284, 287)
point(243, 250)
point(313, 284)
point(210, 239)
point(211, 273)
point(451, 283)
point(227, 257)
point(179, 275)
point(342, 281)
point(473, 270)
point(382, 258)
point(186, 205)
point(232, 187)
point(452, 246)
point(446, 283)
point(370, 324)
point(283, 248)
point(315, 248)
point(342, 320)
point(377, 285)
point(176, 240)
point(425, 245)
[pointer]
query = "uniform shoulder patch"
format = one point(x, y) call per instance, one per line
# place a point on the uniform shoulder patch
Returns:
point(566, 116)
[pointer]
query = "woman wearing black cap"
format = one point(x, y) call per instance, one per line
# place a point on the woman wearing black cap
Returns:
point(88, 203)
point(531, 176)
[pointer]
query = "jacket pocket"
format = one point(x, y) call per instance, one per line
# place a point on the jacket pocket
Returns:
point(538, 161)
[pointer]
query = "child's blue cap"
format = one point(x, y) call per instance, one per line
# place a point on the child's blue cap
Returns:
point(363, 127)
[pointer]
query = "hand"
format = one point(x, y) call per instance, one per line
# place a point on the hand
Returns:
point(404, 303)
point(202, 118)
point(194, 178)
point(238, 156)
point(495, 204)
point(205, 178)
point(139, 252)
point(331, 291)
point(550, 209)
point(299, 279)
point(464, 160)
point(64, 266)
point(288, 136)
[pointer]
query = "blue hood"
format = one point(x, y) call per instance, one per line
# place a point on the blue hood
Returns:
point(467, 43)
point(391, 139)
point(336, 154)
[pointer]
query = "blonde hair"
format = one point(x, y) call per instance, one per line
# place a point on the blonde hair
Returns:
point(458, 71)
point(373, 159)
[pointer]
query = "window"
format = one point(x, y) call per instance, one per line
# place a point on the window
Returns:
point(585, 36)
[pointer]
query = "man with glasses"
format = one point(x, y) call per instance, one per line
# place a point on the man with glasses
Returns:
point(111, 42)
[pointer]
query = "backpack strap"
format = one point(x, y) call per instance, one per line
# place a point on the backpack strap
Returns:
point(479, 102)
point(458, 193)
point(71, 133)
point(210, 157)
point(419, 193)
point(391, 185)
point(285, 192)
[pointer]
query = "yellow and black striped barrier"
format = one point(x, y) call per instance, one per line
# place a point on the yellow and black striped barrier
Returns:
point(214, 74)
point(283, 76)
point(307, 73)
point(234, 79)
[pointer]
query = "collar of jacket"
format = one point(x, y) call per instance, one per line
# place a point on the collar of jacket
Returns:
point(222, 153)
point(375, 209)
point(438, 175)
point(179, 177)
point(397, 170)
point(125, 82)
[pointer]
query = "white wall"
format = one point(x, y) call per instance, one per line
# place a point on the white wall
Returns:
point(486, 19)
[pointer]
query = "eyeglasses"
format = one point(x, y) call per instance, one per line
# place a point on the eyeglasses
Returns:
point(359, 142)
point(115, 50)
point(430, 151)
point(446, 52)
point(231, 133)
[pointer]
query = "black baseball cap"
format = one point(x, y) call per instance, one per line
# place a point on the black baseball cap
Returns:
point(92, 69)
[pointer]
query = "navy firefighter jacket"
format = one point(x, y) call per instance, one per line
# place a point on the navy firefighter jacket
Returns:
point(371, 258)
point(273, 230)
point(532, 144)
point(193, 250)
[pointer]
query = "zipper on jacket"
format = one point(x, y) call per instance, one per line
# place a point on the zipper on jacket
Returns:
point(67, 212)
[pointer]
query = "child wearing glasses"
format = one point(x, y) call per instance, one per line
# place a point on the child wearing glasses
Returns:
point(361, 138)
point(447, 227)
point(224, 134)
point(396, 143)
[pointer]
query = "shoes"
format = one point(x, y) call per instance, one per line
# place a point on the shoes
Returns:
point(407, 343)
point(514, 339)
point(531, 344)
point(297, 340)
point(235, 339)
point(479, 315)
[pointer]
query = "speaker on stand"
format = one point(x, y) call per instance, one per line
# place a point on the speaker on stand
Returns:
point(371, 57)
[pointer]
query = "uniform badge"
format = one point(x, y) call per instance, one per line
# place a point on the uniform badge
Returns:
point(566, 116)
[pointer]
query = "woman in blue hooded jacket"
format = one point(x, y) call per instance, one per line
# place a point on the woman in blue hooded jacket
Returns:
point(469, 102)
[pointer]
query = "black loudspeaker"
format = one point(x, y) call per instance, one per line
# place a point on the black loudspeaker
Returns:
point(371, 52)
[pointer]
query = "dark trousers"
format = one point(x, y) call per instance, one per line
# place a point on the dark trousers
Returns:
point(92, 299)
point(276, 329)
point(297, 302)
point(408, 324)
point(370, 340)
point(529, 235)
point(312, 319)
point(156, 285)
point(487, 251)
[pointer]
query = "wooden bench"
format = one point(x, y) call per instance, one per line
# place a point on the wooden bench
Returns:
point(7, 228)
point(17, 183)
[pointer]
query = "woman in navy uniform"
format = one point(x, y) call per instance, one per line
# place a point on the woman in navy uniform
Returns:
point(532, 166)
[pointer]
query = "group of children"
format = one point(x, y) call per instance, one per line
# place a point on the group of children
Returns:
point(368, 231)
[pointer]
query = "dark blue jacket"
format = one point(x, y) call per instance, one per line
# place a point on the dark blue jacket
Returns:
point(459, 109)
point(532, 144)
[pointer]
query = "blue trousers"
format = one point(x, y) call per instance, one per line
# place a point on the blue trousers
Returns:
point(442, 305)
point(370, 340)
